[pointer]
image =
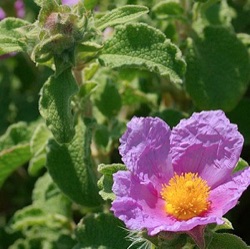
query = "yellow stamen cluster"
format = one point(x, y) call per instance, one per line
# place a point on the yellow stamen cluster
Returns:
point(186, 196)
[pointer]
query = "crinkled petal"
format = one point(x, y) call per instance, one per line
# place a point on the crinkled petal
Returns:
point(172, 225)
point(128, 185)
point(140, 206)
point(145, 149)
point(135, 217)
point(226, 196)
point(206, 143)
point(136, 201)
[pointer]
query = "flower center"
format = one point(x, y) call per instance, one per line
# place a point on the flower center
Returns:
point(186, 196)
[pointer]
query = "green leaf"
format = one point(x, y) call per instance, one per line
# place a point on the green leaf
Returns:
point(143, 47)
point(102, 136)
point(219, 13)
point(133, 96)
point(240, 116)
point(167, 9)
point(227, 225)
point(218, 69)
point(12, 39)
point(37, 147)
point(106, 181)
point(121, 15)
point(90, 71)
point(16, 134)
point(14, 149)
point(102, 231)
point(46, 223)
point(28, 216)
point(39, 139)
point(13, 158)
point(90, 4)
point(47, 196)
point(70, 167)
point(242, 164)
point(107, 99)
point(55, 105)
point(226, 241)
point(36, 163)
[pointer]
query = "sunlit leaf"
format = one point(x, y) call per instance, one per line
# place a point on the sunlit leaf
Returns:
point(143, 47)
point(121, 15)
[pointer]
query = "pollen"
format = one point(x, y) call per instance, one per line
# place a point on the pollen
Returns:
point(186, 196)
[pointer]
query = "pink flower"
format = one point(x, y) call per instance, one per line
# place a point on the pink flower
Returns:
point(179, 179)
point(19, 10)
point(70, 2)
point(2, 14)
point(19, 7)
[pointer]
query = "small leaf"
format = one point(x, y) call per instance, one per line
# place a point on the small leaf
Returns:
point(36, 163)
point(107, 99)
point(133, 96)
point(226, 241)
point(47, 221)
point(13, 158)
point(70, 167)
point(37, 147)
point(121, 15)
point(86, 89)
point(12, 39)
point(89, 47)
point(39, 139)
point(16, 134)
point(14, 149)
point(55, 105)
point(167, 9)
point(143, 47)
point(90, 71)
point(105, 183)
point(218, 69)
point(28, 216)
point(226, 225)
point(242, 164)
point(102, 136)
point(47, 196)
point(102, 231)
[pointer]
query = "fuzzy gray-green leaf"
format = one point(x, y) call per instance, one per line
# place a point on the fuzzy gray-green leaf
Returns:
point(14, 149)
point(121, 15)
point(143, 47)
point(12, 39)
point(105, 183)
point(55, 105)
point(101, 231)
point(71, 168)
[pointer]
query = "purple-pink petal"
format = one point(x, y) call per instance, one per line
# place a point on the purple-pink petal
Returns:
point(2, 14)
point(145, 149)
point(20, 10)
point(226, 196)
point(206, 143)
point(70, 2)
